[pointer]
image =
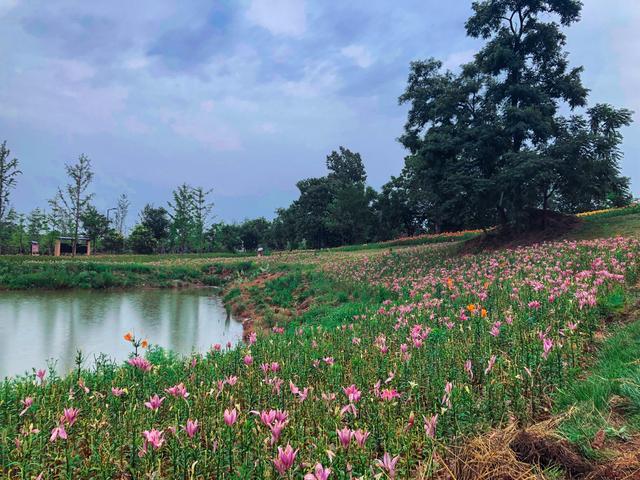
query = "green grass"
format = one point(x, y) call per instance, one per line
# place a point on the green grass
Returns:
point(408, 242)
point(62, 274)
point(608, 397)
point(608, 226)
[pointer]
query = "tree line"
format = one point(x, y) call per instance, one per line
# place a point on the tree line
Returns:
point(503, 141)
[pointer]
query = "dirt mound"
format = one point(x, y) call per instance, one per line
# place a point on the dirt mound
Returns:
point(515, 454)
point(539, 228)
point(624, 466)
point(488, 457)
point(543, 449)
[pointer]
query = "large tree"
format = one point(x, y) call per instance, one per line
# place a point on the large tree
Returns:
point(8, 176)
point(489, 144)
point(72, 202)
point(529, 80)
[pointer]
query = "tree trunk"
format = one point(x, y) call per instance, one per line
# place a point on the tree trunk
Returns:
point(545, 203)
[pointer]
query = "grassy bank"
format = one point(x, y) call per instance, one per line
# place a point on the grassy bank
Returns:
point(59, 274)
point(603, 406)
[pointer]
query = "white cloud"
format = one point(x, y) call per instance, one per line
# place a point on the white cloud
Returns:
point(267, 127)
point(454, 60)
point(280, 17)
point(207, 106)
point(359, 54)
point(7, 5)
point(319, 79)
point(205, 131)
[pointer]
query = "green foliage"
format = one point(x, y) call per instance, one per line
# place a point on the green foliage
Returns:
point(488, 144)
point(71, 203)
point(612, 384)
point(95, 224)
point(142, 240)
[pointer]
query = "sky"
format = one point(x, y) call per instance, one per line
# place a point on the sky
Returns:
point(245, 97)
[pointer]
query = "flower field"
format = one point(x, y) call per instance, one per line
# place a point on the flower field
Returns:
point(462, 344)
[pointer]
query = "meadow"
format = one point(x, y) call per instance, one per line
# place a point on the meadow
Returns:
point(436, 348)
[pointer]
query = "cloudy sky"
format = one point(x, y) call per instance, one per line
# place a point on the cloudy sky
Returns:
point(245, 96)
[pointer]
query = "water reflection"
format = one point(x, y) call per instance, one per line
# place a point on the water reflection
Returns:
point(38, 326)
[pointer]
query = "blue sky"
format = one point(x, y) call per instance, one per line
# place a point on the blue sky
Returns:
point(245, 97)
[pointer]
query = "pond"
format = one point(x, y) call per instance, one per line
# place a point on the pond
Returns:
point(39, 326)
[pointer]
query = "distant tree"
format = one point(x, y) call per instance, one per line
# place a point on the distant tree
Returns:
point(182, 217)
point(122, 210)
point(8, 176)
point(157, 222)
point(255, 233)
point(95, 225)
point(284, 234)
point(37, 224)
point(311, 211)
point(201, 211)
point(18, 232)
point(113, 241)
point(74, 200)
point(227, 237)
point(142, 240)
point(396, 214)
point(350, 216)
point(346, 166)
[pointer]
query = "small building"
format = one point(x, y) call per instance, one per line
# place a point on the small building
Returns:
point(64, 246)
point(35, 248)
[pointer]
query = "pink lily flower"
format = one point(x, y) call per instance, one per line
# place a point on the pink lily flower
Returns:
point(178, 391)
point(319, 473)
point(70, 415)
point(469, 369)
point(26, 403)
point(430, 425)
point(344, 436)
point(389, 394)
point(360, 437)
point(191, 428)
point(58, 432)
point(547, 345)
point(276, 430)
point(284, 460)
point(388, 464)
point(492, 362)
point(140, 363)
point(153, 437)
point(117, 392)
point(230, 416)
point(154, 403)
point(352, 393)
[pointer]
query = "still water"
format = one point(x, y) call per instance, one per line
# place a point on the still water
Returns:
point(37, 326)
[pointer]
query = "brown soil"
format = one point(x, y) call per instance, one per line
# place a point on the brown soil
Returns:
point(513, 454)
point(555, 226)
point(537, 447)
point(242, 307)
point(253, 318)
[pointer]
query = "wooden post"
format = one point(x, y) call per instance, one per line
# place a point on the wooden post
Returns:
point(88, 247)
point(56, 249)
